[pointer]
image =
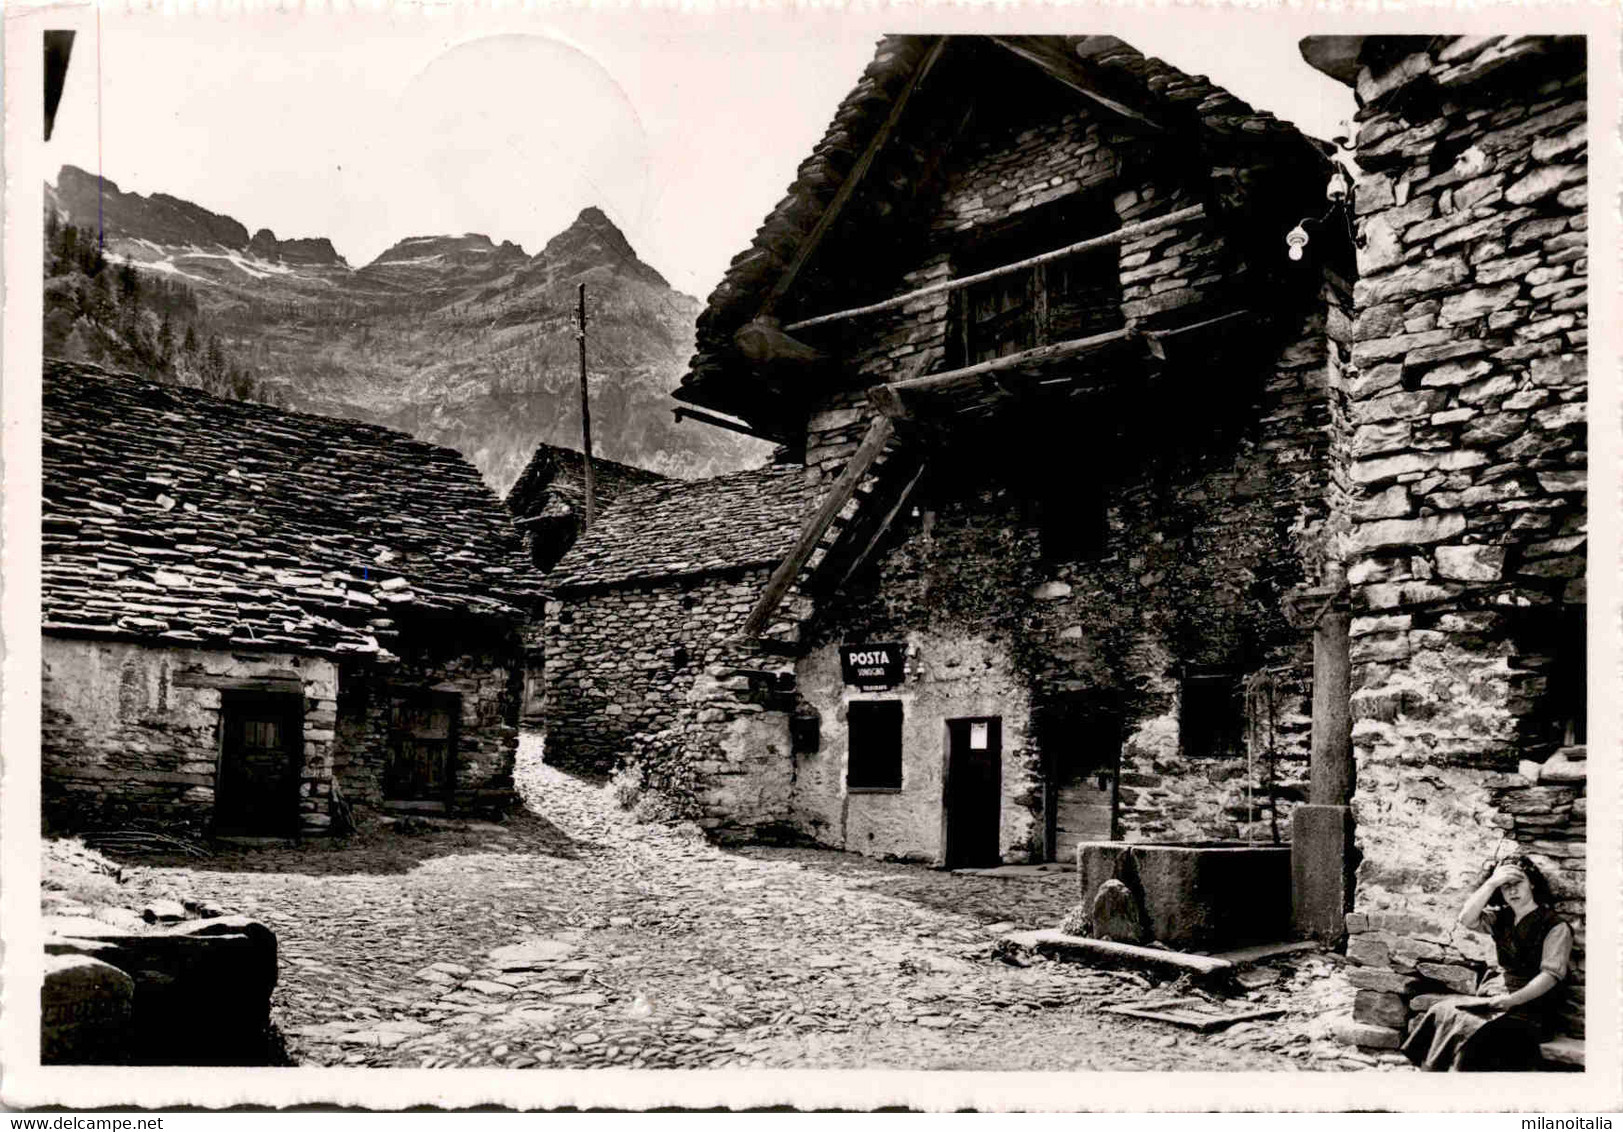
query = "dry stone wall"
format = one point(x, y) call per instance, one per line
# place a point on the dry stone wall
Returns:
point(1461, 405)
point(1202, 545)
point(484, 671)
point(648, 674)
point(1062, 155)
point(129, 732)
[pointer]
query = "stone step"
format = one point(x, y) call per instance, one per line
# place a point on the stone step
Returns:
point(1568, 1053)
point(1263, 952)
point(1106, 953)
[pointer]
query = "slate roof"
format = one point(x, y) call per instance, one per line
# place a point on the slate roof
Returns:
point(557, 474)
point(685, 528)
point(173, 516)
point(1188, 106)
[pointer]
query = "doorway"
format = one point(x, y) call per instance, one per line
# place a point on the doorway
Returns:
point(261, 749)
point(974, 792)
point(422, 749)
point(1081, 746)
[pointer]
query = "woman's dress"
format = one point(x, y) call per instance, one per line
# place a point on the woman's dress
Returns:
point(1454, 1037)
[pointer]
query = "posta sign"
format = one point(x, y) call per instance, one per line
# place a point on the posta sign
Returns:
point(873, 665)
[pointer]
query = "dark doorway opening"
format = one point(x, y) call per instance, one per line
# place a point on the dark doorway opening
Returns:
point(974, 802)
point(261, 750)
point(422, 749)
point(1081, 745)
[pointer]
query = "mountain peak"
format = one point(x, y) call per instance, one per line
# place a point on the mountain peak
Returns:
point(592, 241)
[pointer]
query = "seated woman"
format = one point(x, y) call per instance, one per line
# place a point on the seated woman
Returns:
point(1501, 1026)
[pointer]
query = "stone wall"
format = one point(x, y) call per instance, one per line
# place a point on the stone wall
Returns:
point(485, 669)
point(129, 732)
point(1207, 530)
point(1462, 411)
point(947, 678)
point(1047, 158)
point(652, 664)
point(1200, 550)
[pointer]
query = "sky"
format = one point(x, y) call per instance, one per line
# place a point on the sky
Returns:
point(686, 128)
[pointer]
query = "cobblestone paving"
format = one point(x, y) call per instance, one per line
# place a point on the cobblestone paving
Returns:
point(570, 936)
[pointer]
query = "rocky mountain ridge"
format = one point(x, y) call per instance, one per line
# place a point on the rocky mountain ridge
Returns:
point(459, 339)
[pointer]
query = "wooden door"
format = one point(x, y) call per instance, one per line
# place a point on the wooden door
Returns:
point(422, 747)
point(261, 748)
point(1082, 761)
point(974, 801)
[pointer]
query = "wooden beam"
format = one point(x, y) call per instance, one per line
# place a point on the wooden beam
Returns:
point(1093, 96)
point(720, 422)
point(848, 187)
point(879, 433)
point(888, 401)
point(1120, 235)
point(973, 375)
point(884, 525)
point(1156, 339)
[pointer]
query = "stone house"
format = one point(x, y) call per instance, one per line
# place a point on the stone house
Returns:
point(640, 619)
point(548, 504)
point(1460, 377)
point(548, 500)
point(246, 611)
point(1040, 598)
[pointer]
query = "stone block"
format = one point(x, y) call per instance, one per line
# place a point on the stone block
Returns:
point(1543, 182)
point(1471, 563)
point(1368, 951)
point(1366, 383)
point(1380, 979)
point(1456, 373)
point(1472, 305)
point(1380, 1008)
point(1460, 980)
point(1409, 532)
point(1367, 1035)
point(85, 1007)
point(1375, 439)
point(1408, 406)
point(1321, 870)
point(1389, 504)
point(1116, 916)
point(219, 970)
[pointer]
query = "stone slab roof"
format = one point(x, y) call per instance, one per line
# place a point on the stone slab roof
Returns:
point(1191, 109)
point(172, 516)
point(555, 474)
point(691, 528)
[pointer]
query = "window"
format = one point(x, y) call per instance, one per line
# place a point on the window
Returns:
point(1211, 718)
point(1073, 523)
point(1075, 296)
point(874, 756)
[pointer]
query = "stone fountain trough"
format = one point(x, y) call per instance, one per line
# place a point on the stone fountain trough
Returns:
point(1196, 895)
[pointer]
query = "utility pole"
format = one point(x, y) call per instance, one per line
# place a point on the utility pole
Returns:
point(585, 414)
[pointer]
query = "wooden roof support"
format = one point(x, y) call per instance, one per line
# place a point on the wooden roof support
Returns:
point(720, 422)
point(1071, 82)
point(777, 586)
point(884, 525)
point(1120, 235)
point(848, 187)
point(1157, 340)
point(975, 374)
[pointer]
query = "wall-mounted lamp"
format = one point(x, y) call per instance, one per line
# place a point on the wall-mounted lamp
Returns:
point(1296, 240)
point(1339, 193)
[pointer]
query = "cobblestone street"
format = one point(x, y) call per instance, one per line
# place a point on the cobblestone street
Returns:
point(572, 937)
